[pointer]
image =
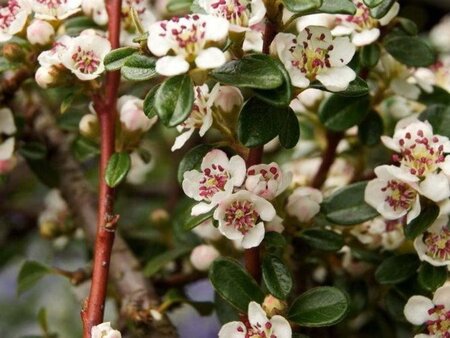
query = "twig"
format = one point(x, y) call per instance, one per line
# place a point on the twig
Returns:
point(328, 158)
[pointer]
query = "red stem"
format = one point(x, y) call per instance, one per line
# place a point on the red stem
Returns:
point(328, 158)
point(105, 106)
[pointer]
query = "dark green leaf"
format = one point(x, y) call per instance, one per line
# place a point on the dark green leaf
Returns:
point(225, 312)
point(75, 25)
point(365, 255)
point(369, 55)
point(397, 269)
point(371, 129)
point(431, 277)
point(257, 71)
point(347, 206)
point(115, 59)
point(280, 96)
point(337, 7)
point(84, 148)
point(192, 221)
point(302, 5)
point(30, 273)
point(395, 304)
point(192, 160)
point(149, 103)
point(174, 100)
point(381, 10)
point(438, 96)
point(138, 67)
point(254, 128)
point(321, 306)
point(289, 133)
point(408, 26)
point(321, 239)
point(340, 113)
point(439, 117)
point(44, 171)
point(234, 284)
point(158, 262)
point(372, 3)
point(409, 50)
point(276, 276)
point(117, 168)
point(274, 241)
point(358, 87)
point(421, 223)
point(33, 151)
point(66, 102)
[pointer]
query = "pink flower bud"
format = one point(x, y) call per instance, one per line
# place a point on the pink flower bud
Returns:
point(45, 77)
point(228, 98)
point(202, 256)
point(40, 32)
point(89, 126)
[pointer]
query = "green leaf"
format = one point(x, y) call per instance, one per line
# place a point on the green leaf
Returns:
point(371, 129)
point(337, 7)
point(117, 168)
point(280, 96)
point(395, 304)
point(257, 71)
point(192, 160)
point(277, 277)
point(372, 3)
point(138, 67)
point(358, 87)
point(321, 306)
point(158, 262)
point(289, 133)
point(30, 273)
point(177, 6)
point(75, 25)
point(66, 102)
point(234, 284)
point(381, 10)
point(302, 5)
point(273, 241)
point(408, 26)
point(225, 312)
point(84, 148)
point(439, 117)
point(347, 206)
point(33, 151)
point(431, 277)
point(116, 58)
point(174, 100)
point(397, 269)
point(409, 50)
point(321, 239)
point(253, 126)
point(438, 96)
point(422, 222)
point(369, 55)
point(340, 113)
point(192, 221)
point(149, 102)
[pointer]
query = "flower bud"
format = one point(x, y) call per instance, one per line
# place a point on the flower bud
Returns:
point(131, 114)
point(104, 330)
point(228, 98)
point(13, 52)
point(202, 256)
point(159, 216)
point(40, 32)
point(304, 203)
point(89, 126)
point(273, 306)
point(45, 76)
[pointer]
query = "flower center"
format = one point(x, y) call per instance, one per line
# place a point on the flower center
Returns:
point(420, 154)
point(257, 332)
point(235, 11)
point(214, 180)
point(86, 61)
point(308, 60)
point(399, 195)
point(439, 327)
point(199, 111)
point(362, 20)
point(53, 4)
point(438, 244)
point(242, 216)
point(8, 14)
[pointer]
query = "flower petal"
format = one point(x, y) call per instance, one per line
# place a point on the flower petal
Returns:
point(337, 79)
point(416, 309)
point(171, 65)
point(209, 58)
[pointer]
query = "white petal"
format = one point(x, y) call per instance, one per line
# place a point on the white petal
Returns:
point(298, 78)
point(207, 123)
point(342, 52)
point(217, 157)
point(202, 208)
point(171, 65)
point(216, 28)
point(415, 211)
point(390, 143)
point(256, 315)
point(181, 139)
point(258, 12)
point(366, 37)
point(442, 297)
point(230, 330)
point(403, 88)
point(416, 309)
point(157, 44)
point(254, 237)
point(210, 58)
point(392, 13)
point(336, 79)
point(435, 187)
point(7, 149)
point(237, 170)
point(281, 327)
point(7, 125)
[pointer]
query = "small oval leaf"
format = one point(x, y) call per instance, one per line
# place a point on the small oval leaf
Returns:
point(115, 59)
point(138, 67)
point(277, 277)
point(117, 168)
point(397, 269)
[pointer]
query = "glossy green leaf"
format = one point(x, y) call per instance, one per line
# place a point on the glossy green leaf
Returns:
point(371, 129)
point(409, 50)
point(397, 269)
point(192, 160)
point(75, 25)
point(382, 9)
point(257, 71)
point(33, 151)
point(117, 168)
point(149, 102)
point(174, 100)
point(138, 67)
point(431, 277)
point(322, 239)
point(340, 113)
point(84, 148)
point(439, 117)
point(408, 26)
point(280, 96)
point(321, 306)
point(234, 284)
point(276, 276)
point(296, 6)
point(337, 7)
point(438, 96)
point(192, 221)
point(158, 262)
point(358, 87)
point(422, 222)
point(289, 133)
point(115, 59)
point(372, 3)
point(347, 206)
point(369, 55)
point(30, 273)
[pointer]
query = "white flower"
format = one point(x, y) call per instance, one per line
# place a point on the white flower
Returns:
point(267, 180)
point(241, 14)
point(387, 234)
point(104, 330)
point(202, 256)
point(364, 29)
point(200, 117)
point(275, 225)
point(55, 9)
point(253, 41)
point(304, 203)
point(216, 179)
point(144, 13)
point(84, 56)
point(258, 325)
point(139, 168)
point(131, 114)
point(40, 32)
point(307, 101)
point(321, 19)
point(393, 193)
point(433, 246)
point(399, 107)
point(52, 57)
point(433, 314)
point(315, 55)
point(441, 71)
point(241, 217)
point(188, 38)
point(95, 9)
point(7, 127)
point(439, 34)
point(207, 231)
point(13, 17)
point(228, 98)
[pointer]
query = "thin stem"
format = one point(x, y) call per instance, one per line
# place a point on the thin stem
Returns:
point(105, 106)
point(328, 158)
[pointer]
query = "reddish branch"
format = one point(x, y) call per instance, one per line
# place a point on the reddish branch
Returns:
point(328, 157)
point(105, 106)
